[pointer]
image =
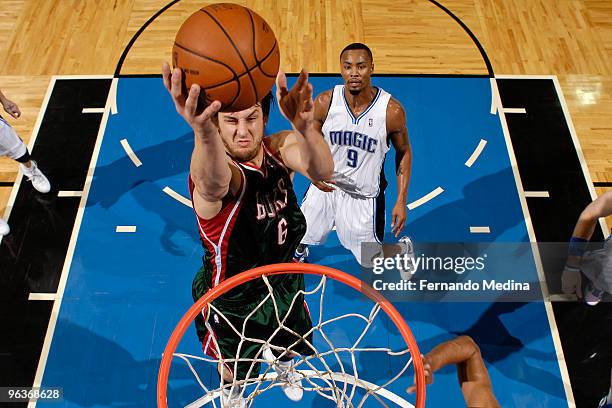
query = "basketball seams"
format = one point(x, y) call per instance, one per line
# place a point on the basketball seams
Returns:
point(235, 78)
point(236, 49)
point(257, 61)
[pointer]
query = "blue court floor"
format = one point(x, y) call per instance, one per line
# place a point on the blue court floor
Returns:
point(126, 291)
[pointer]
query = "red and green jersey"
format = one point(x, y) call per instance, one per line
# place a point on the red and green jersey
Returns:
point(261, 225)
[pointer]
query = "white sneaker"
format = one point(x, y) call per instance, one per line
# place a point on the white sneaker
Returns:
point(38, 179)
point(231, 399)
point(290, 379)
point(4, 228)
point(592, 295)
point(406, 271)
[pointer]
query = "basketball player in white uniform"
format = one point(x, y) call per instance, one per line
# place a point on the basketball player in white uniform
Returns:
point(359, 122)
point(12, 146)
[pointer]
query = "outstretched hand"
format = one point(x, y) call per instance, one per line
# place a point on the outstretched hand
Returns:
point(296, 104)
point(11, 108)
point(428, 375)
point(187, 106)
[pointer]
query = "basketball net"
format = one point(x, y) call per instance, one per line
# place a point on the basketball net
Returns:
point(331, 371)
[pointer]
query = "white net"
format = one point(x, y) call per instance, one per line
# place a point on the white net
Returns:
point(343, 366)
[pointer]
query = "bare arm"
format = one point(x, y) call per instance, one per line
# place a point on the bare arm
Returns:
point(304, 149)
point(210, 168)
point(601, 207)
point(398, 134)
point(471, 370)
point(9, 106)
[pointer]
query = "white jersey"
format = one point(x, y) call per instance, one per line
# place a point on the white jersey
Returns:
point(358, 144)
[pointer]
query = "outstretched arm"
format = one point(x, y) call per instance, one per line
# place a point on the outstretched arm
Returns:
point(304, 149)
point(471, 370)
point(210, 169)
point(571, 280)
point(9, 106)
point(398, 135)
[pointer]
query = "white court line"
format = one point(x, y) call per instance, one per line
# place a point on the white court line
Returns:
point(480, 230)
point(39, 118)
point(92, 110)
point(476, 153)
point(130, 153)
point(44, 354)
point(515, 110)
point(125, 228)
point(177, 196)
point(554, 331)
point(427, 197)
point(42, 296)
point(113, 96)
point(69, 193)
point(585, 169)
point(537, 194)
point(82, 76)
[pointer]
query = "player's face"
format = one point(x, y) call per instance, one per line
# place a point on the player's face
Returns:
point(356, 68)
point(242, 132)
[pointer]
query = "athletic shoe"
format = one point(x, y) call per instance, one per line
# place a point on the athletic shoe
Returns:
point(4, 228)
point(592, 295)
point(290, 379)
point(232, 399)
point(38, 179)
point(301, 256)
point(406, 268)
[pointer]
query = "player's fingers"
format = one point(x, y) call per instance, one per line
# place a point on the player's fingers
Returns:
point(17, 112)
point(192, 100)
point(281, 82)
point(175, 85)
point(166, 75)
point(400, 225)
point(210, 110)
point(302, 79)
point(308, 103)
point(411, 389)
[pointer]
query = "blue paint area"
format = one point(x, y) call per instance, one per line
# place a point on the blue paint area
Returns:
point(126, 292)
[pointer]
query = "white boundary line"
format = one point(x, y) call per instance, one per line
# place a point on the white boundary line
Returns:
point(537, 194)
point(125, 228)
point(476, 153)
point(44, 355)
point(536, 253)
point(130, 153)
point(480, 230)
point(427, 197)
point(177, 197)
point(92, 110)
point(42, 296)
point(83, 76)
point(515, 110)
point(583, 164)
point(33, 136)
point(66, 193)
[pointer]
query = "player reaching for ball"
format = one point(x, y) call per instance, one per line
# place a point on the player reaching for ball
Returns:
point(248, 216)
point(359, 122)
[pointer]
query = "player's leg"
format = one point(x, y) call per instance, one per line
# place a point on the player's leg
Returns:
point(295, 336)
point(12, 146)
point(318, 209)
point(358, 220)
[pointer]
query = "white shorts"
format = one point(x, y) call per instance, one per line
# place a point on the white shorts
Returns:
point(10, 144)
point(356, 219)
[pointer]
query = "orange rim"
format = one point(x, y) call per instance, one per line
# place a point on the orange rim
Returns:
point(280, 269)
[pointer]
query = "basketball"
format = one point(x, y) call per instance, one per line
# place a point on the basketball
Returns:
point(231, 52)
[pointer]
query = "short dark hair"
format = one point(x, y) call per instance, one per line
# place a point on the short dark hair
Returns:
point(266, 104)
point(358, 46)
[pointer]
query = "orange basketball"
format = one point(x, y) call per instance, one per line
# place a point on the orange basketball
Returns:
point(230, 51)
